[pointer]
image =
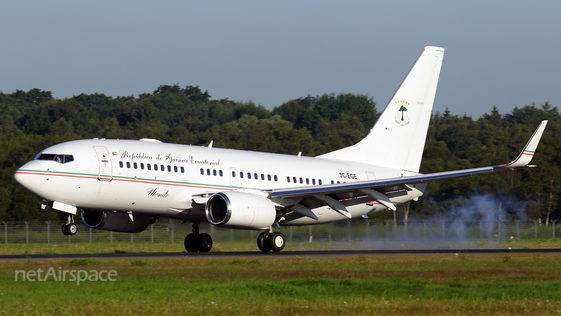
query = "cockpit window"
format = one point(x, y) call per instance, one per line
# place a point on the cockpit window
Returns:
point(56, 157)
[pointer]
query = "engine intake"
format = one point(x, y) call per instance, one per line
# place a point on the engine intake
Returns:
point(116, 221)
point(240, 210)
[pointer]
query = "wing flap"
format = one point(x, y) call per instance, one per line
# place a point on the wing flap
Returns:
point(334, 204)
point(304, 211)
point(381, 198)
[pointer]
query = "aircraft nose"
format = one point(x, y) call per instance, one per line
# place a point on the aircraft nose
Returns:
point(27, 176)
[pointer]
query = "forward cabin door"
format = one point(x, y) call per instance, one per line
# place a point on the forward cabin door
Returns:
point(105, 167)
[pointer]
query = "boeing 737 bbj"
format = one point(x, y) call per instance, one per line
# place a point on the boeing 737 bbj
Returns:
point(125, 185)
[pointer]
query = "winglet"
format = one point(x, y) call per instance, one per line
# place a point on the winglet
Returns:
point(528, 152)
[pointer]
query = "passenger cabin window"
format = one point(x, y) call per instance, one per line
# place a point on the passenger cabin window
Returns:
point(149, 166)
point(249, 175)
point(121, 164)
point(162, 168)
point(56, 157)
point(155, 167)
point(220, 172)
point(128, 165)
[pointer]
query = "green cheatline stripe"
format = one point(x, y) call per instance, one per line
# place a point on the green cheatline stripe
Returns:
point(131, 178)
point(529, 151)
point(59, 172)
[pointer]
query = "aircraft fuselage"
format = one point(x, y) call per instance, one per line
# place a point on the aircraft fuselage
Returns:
point(165, 179)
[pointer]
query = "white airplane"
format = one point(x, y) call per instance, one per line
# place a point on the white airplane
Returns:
point(125, 185)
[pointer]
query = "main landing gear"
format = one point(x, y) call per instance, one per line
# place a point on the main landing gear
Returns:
point(69, 228)
point(196, 242)
point(268, 240)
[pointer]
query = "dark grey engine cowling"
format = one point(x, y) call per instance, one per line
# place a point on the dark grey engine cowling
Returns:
point(234, 209)
point(116, 221)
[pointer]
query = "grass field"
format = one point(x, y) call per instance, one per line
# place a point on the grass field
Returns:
point(405, 285)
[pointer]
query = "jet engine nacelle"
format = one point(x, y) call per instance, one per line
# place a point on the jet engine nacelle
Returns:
point(116, 221)
point(240, 210)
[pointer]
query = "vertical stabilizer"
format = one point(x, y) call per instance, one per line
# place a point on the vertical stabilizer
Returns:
point(398, 137)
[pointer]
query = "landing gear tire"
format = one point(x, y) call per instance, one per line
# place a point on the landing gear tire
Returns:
point(191, 243)
point(196, 242)
point(69, 229)
point(276, 241)
point(204, 242)
point(263, 242)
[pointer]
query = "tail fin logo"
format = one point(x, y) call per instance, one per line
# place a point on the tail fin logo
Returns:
point(402, 114)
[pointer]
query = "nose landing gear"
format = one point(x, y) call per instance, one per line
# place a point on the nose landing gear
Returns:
point(69, 228)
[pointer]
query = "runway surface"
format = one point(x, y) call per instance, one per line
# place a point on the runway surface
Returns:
point(282, 254)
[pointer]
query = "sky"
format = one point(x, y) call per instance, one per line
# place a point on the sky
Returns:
point(498, 53)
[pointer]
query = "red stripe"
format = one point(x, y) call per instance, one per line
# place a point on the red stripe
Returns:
point(53, 174)
point(124, 180)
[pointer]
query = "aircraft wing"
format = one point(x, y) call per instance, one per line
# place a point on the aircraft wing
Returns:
point(374, 188)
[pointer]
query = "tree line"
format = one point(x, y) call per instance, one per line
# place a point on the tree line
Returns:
point(33, 120)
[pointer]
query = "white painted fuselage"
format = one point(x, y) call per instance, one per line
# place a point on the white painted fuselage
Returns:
point(166, 180)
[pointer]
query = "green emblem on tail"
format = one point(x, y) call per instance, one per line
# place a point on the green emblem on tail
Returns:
point(402, 114)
